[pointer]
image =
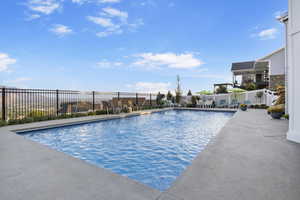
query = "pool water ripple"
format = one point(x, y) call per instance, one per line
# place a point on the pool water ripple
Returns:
point(151, 149)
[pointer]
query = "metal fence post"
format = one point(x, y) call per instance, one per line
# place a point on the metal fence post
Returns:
point(93, 101)
point(3, 105)
point(57, 103)
point(150, 99)
point(137, 99)
point(118, 96)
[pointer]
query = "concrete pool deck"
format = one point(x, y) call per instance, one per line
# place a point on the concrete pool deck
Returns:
point(250, 159)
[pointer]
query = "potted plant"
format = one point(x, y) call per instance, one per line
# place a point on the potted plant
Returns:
point(243, 107)
point(277, 111)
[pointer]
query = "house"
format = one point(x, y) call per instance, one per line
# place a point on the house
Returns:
point(267, 72)
point(292, 24)
point(246, 73)
point(276, 62)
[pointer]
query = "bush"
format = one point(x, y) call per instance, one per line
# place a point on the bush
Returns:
point(264, 106)
point(286, 116)
point(194, 100)
point(91, 113)
point(37, 113)
point(281, 93)
point(250, 86)
point(278, 108)
point(3, 123)
point(13, 122)
point(125, 109)
point(243, 105)
point(221, 90)
point(101, 112)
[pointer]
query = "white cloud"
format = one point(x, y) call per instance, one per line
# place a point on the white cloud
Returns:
point(106, 64)
point(43, 6)
point(150, 87)
point(112, 12)
point(61, 30)
point(32, 17)
point(5, 61)
point(107, 33)
point(109, 1)
point(79, 1)
point(104, 22)
point(114, 22)
point(266, 34)
point(170, 60)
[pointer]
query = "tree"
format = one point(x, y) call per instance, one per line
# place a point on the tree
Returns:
point(194, 100)
point(159, 98)
point(178, 91)
point(189, 93)
point(221, 90)
point(169, 96)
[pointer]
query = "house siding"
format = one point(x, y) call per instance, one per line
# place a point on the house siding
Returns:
point(294, 70)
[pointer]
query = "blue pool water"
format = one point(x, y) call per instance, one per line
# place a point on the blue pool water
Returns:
point(151, 149)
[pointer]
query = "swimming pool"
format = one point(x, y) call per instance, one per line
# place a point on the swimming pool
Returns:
point(151, 149)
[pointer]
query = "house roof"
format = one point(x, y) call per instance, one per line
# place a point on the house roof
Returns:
point(261, 65)
point(243, 65)
point(271, 54)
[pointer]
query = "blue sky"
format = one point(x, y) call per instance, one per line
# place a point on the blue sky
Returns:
point(132, 45)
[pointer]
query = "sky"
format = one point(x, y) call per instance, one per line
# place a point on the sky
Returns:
point(133, 45)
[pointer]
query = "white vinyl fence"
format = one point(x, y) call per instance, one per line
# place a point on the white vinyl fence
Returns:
point(255, 97)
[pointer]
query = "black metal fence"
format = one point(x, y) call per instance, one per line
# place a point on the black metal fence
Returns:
point(18, 104)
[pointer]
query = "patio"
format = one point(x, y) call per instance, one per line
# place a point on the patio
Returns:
point(250, 159)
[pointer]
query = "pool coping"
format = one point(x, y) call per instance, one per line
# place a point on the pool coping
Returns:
point(113, 180)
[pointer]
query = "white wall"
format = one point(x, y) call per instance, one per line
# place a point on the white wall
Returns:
point(293, 48)
point(277, 63)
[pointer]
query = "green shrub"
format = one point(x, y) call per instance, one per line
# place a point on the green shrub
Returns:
point(264, 106)
point(221, 89)
point(281, 93)
point(250, 86)
point(277, 108)
point(36, 113)
point(13, 122)
point(101, 112)
point(3, 123)
point(91, 113)
point(243, 105)
point(286, 116)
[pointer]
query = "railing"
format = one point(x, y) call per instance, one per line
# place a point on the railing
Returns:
point(255, 97)
point(18, 104)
